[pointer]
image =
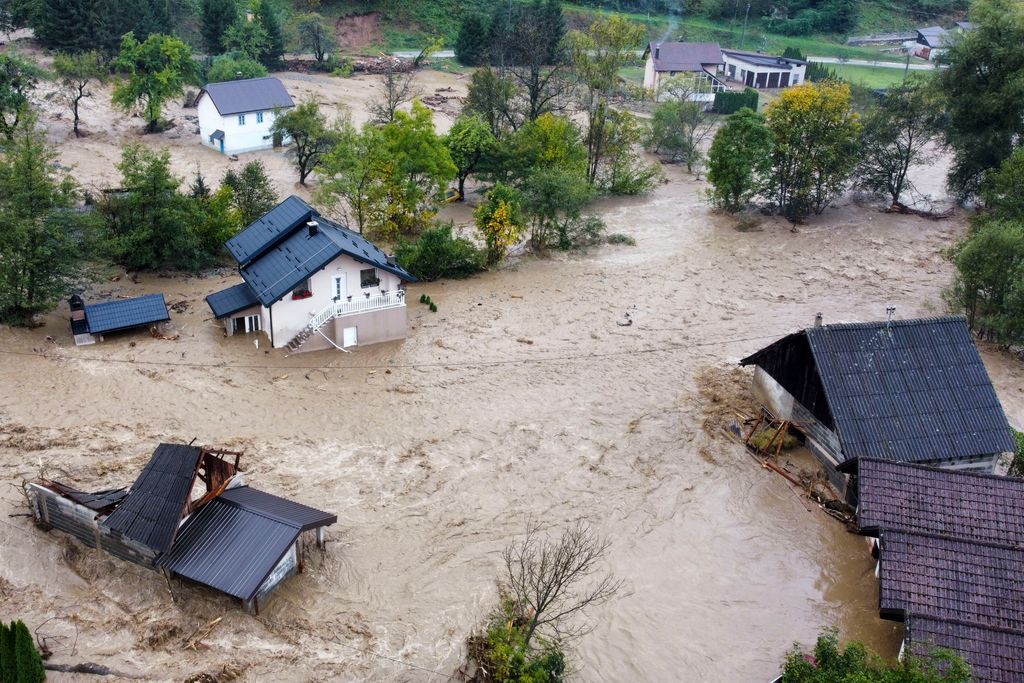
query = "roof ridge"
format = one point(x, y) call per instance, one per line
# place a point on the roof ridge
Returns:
point(934, 468)
point(962, 622)
point(953, 539)
point(259, 513)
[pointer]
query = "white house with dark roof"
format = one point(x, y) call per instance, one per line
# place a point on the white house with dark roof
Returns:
point(310, 283)
point(699, 62)
point(756, 70)
point(237, 116)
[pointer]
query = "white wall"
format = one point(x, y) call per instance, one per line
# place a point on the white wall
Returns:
point(290, 316)
point(237, 138)
point(797, 74)
point(650, 76)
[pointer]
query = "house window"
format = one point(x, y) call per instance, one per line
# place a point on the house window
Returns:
point(259, 117)
point(368, 278)
point(241, 119)
point(249, 323)
point(302, 290)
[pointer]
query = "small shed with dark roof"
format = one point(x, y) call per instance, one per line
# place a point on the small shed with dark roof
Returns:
point(90, 322)
point(905, 390)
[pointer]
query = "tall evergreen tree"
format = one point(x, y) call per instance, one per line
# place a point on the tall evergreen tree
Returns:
point(473, 44)
point(253, 193)
point(215, 17)
point(8, 661)
point(30, 664)
point(268, 14)
point(66, 25)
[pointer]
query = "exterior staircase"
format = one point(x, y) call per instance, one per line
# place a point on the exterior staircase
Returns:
point(352, 306)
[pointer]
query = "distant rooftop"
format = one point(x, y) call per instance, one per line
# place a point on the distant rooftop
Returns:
point(253, 94)
point(758, 59)
point(684, 56)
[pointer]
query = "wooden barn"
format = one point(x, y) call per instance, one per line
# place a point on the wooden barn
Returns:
point(911, 391)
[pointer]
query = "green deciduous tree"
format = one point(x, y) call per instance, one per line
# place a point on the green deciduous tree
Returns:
point(678, 129)
point(854, 663)
point(491, 95)
point(252, 193)
point(18, 77)
point(234, 66)
point(624, 171)
point(896, 136)
point(500, 220)
point(42, 239)
point(314, 34)
point(531, 51)
point(215, 17)
point(312, 136)
point(983, 93)
point(469, 142)
point(550, 141)
point(739, 157)
point(815, 135)
point(1003, 190)
point(75, 73)
point(157, 70)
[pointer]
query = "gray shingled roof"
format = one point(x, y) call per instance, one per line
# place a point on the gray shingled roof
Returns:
point(151, 512)
point(253, 94)
point(907, 390)
point(123, 314)
point(235, 541)
point(994, 655)
point(276, 253)
point(684, 56)
point(231, 300)
point(902, 497)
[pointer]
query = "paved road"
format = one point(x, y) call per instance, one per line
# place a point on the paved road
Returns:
point(412, 54)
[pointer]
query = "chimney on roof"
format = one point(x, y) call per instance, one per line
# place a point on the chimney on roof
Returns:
point(314, 228)
point(817, 319)
point(657, 52)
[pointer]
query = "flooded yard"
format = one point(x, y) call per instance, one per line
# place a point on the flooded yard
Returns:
point(520, 399)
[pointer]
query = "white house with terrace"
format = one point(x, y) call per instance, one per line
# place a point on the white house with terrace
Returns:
point(238, 116)
point(309, 283)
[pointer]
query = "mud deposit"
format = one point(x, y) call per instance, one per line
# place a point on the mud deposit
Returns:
point(520, 398)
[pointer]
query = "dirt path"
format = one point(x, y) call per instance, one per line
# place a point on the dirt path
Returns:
point(519, 398)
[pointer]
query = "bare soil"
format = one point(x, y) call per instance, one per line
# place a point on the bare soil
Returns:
point(357, 31)
point(521, 398)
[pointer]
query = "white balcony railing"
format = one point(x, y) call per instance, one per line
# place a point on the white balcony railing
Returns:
point(358, 304)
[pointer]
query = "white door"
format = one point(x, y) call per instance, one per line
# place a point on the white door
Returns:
point(340, 287)
point(348, 337)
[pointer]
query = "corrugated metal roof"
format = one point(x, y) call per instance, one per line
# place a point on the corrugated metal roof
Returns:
point(151, 512)
point(94, 500)
point(290, 255)
point(906, 390)
point(232, 300)
point(121, 314)
point(976, 507)
point(684, 56)
point(944, 578)
point(994, 655)
point(235, 541)
point(253, 94)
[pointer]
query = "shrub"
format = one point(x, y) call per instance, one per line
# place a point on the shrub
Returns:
point(438, 253)
point(423, 298)
point(502, 651)
point(1017, 467)
point(433, 307)
point(619, 238)
point(729, 102)
point(30, 664)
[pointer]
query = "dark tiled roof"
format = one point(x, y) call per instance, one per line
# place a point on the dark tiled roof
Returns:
point(277, 253)
point(253, 94)
point(764, 60)
point(684, 56)
point(121, 314)
point(231, 300)
point(949, 579)
point(976, 507)
point(270, 228)
point(156, 502)
point(235, 541)
point(994, 655)
point(909, 390)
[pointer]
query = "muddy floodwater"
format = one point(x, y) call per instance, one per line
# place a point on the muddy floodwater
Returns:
point(521, 398)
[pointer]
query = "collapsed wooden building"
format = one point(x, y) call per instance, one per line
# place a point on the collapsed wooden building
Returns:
point(911, 391)
point(229, 536)
point(950, 548)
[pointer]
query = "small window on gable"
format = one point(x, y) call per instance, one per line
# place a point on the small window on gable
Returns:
point(302, 290)
point(241, 119)
point(368, 278)
point(259, 117)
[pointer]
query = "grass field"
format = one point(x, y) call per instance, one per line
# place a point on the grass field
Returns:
point(868, 76)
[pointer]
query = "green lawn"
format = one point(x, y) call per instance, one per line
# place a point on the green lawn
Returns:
point(869, 76)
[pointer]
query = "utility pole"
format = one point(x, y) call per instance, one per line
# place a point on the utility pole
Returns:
point(743, 36)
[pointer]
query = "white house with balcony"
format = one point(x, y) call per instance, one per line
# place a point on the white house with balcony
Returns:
point(694, 66)
point(309, 283)
point(238, 116)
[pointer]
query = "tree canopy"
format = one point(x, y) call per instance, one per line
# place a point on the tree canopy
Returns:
point(157, 70)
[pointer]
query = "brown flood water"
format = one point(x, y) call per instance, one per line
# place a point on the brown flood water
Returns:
point(520, 398)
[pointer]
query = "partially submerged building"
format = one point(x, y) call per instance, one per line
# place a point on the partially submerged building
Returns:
point(912, 391)
point(951, 554)
point(89, 322)
point(238, 116)
point(225, 534)
point(310, 283)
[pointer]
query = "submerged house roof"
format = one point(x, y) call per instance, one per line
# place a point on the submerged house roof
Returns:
point(123, 314)
point(252, 94)
point(684, 56)
point(905, 390)
point(156, 502)
point(994, 654)
point(235, 541)
point(279, 251)
point(758, 59)
point(973, 507)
